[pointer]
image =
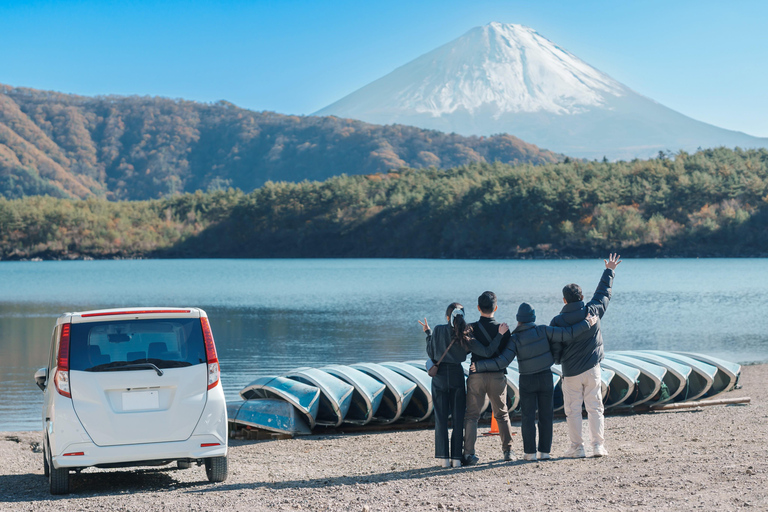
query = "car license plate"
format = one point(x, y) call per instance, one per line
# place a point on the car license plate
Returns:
point(141, 400)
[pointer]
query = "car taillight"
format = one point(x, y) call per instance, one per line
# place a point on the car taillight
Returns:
point(61, 379)
point(210, 354)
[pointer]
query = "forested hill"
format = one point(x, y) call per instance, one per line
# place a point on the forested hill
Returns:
point(128, 148)
point(711, 203)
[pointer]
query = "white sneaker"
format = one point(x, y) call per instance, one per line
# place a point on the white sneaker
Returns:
point(455, 463)
point(446, 463)
point(575, 452)
point(529, 456)
point(599, 451)
point(544, 456)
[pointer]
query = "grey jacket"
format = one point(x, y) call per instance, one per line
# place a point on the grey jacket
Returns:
point(531, 344)
point(584, 352)
point(439, 339)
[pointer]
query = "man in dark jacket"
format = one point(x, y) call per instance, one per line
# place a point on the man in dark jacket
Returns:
point(581, 362)
point(531, 344)
point(494, 384)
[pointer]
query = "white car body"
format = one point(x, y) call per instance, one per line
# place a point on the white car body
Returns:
point(123, 398)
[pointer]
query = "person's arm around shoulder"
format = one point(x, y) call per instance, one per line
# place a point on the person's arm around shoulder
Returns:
point(481, 350)
point(602, 296)
point(565, 335)
point(498, 363)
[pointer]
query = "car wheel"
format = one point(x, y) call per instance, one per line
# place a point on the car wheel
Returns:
point(216, 469)
point(58, 479)
point(45, 461)
point(183, 464)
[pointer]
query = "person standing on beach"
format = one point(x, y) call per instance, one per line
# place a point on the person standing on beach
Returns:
point(532, 345)
point(447, 348)
point(580, 359)
point(492, 383)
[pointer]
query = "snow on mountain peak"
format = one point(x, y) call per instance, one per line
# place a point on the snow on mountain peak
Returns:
point(510, 68)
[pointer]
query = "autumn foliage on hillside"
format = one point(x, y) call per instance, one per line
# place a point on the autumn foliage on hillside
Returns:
point(711, 203)
point(131, 148)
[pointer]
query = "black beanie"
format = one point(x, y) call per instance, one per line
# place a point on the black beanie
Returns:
point(526, 314)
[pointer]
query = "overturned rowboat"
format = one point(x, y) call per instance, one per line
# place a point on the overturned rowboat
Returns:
point(305, 398)
point(367, 395)
point(335, 397)
point(727, 375)
point(268, 414)
point(651, 384)
point(702, 374)
point(420, 407)
point(396, 397)
point(676, 378)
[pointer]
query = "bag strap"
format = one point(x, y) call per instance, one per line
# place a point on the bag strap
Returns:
point(444, 353)
point(485, 333)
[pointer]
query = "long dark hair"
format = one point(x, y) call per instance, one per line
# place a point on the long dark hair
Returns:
point(460, 332)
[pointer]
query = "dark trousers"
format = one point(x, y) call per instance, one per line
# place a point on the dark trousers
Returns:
point(449, 397)
point(536, 392)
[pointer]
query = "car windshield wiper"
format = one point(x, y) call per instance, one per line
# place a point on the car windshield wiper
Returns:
point(123, 365)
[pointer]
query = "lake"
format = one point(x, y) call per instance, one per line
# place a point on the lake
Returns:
point(269, 316)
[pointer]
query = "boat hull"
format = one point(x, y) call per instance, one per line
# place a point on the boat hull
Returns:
point(268, 414)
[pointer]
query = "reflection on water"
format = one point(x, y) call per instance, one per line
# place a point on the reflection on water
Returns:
point(269, 316)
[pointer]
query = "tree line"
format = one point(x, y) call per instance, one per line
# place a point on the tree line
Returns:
point(710, 203)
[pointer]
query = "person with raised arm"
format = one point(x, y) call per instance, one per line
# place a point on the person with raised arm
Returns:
point(532, 345)
point(580, 359)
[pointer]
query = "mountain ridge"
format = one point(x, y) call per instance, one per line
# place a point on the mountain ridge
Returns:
point(132, 147)
point(504, 78)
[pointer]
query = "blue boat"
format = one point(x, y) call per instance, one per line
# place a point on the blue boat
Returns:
point(268, 414)
point(305, 398)
point(701, 377)
point(727, 376)
point(651, 381)
point(396, 397)
point(366, 397)
point(676, 378)
point(622, 390)
point(335, 398)
point(420, 407)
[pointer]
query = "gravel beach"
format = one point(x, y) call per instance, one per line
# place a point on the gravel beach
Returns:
point(699, 459)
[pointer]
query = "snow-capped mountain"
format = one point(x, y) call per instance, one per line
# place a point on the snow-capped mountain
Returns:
point(508, 78)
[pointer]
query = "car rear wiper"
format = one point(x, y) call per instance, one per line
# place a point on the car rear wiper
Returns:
point(121, 365)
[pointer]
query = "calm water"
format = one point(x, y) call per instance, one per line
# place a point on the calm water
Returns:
point(269, 316)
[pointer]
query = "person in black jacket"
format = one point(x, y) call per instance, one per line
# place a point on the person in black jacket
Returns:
point(581, 362)
point(493, 384)
point(532, 345)
point(447, 347)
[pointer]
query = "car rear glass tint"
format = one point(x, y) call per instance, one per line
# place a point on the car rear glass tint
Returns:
point(166, 343)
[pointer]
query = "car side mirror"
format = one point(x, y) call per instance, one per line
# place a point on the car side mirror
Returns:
point(41, 376)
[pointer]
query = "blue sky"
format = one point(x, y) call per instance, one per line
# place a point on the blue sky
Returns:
point(706, 59)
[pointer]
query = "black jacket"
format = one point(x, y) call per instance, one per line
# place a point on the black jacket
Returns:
point(584, 352)
point(439, 339)
point(491, 326)
point(531, 344)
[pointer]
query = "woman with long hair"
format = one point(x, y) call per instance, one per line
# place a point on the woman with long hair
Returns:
point(447, 347)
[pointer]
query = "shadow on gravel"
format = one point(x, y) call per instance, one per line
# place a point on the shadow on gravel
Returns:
point(410, 474)
point(34, 487)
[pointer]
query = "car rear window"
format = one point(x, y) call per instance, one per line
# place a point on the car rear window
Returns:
point(166, 343)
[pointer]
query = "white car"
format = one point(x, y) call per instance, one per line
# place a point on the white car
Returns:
point(132, 387)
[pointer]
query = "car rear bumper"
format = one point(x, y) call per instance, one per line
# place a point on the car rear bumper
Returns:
point(92, 455)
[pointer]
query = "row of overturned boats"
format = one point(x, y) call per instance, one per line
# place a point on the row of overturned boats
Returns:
point(384, 393)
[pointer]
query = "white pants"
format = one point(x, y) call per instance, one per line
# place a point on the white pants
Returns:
point(584, 388)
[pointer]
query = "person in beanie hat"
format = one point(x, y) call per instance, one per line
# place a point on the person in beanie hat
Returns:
point(532, 345)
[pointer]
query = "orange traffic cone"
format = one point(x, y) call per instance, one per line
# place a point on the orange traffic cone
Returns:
point(494, 428)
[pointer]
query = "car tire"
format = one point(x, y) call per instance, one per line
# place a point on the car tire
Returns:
point(58, 479)
point(216, 469)
point(183, 464)
point(46, 470)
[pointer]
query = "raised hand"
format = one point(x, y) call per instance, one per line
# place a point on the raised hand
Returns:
point(424, 324)
point(613, 261)
point(503, 328)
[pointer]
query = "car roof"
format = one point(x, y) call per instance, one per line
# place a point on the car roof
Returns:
point(131, 313)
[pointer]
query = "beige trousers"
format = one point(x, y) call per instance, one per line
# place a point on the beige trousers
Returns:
point(584, 388)
point(494, 384)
